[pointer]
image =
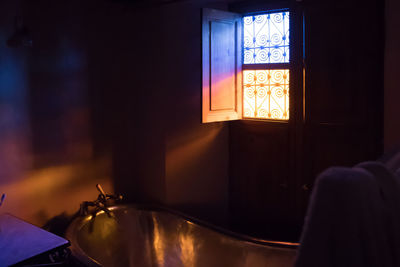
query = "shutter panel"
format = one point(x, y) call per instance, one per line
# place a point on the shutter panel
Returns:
point(222, 65)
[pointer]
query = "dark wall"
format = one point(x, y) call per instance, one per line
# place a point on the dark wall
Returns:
point(47, 164)
point(117, 85)
point(392, 57)
point(338, 120)
point(344, 84)
point(145, 86)
point(14, 99)
point(196, 153)
point(110, 83)
point(127, 96)
point(58, 80)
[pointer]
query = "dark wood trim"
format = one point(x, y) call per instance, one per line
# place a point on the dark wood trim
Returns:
point(267, 66)
point(256, 6)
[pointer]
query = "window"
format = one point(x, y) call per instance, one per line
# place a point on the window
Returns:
point(266, 94)
point(265, 46)
point(266, 38)
point(246, 66)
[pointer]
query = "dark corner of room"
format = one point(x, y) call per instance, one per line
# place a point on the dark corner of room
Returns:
point(199, 133)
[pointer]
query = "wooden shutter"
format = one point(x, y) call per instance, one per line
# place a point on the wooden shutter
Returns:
point(222, 61)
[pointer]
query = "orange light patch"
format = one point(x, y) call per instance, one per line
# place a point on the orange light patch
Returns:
point(266, 94)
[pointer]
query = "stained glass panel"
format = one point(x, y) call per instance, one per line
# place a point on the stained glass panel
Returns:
point(266, 38)
point(266, 94)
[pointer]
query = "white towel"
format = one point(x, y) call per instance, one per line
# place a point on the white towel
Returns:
point(390, 194)
point(344, 225)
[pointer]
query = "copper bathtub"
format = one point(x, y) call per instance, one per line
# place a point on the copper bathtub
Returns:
point(143, 237)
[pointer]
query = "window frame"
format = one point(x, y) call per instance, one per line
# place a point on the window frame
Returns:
point(297, 110)
point(270, 66)
point(233, 112)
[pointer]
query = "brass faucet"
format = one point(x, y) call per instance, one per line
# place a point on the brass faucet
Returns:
point(99, 204)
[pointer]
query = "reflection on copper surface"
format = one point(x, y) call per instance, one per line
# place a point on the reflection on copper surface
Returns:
point(158, 243)
point(149, 238)
point(186, 242)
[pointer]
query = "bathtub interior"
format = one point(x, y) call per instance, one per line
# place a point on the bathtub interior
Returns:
point(138, 237)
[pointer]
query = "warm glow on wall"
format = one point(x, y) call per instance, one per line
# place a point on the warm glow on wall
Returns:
point(266, 94)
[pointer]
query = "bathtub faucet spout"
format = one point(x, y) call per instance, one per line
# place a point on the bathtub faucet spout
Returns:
point(99, 204)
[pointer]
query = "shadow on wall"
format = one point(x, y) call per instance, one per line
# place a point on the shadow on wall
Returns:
point(47, 164)
point(41, 194)
point(196, 172)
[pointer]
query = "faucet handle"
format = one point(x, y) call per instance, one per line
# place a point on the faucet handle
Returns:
point(100, 189)
point(104, 197)
point(99, 204)
point(115, 197)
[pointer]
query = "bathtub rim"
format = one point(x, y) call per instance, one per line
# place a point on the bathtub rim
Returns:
point(79, 222)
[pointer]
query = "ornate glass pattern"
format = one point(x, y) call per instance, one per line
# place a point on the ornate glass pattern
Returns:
point(266, 94)
point(266, 38)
